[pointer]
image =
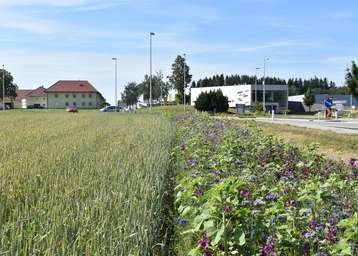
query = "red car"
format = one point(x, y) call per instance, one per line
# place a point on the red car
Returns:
point(72, 109)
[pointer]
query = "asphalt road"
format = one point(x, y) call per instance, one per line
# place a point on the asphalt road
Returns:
point(345, 126)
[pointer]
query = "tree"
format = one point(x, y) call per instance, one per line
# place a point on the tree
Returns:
point(352, 80)
point(130, 94)
point(177, 77)
point(309, 99)
point(159, 86)
point(10, 86)
point(213, 101)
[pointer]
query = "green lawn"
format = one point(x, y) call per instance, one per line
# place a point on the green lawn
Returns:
point(336, 146)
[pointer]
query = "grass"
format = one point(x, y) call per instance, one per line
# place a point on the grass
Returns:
point(336, 146)
point(83, 184)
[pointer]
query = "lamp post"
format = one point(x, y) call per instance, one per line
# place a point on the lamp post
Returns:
point(264, 85)
point(3, 87)
point(184, 80)
point(256, 85)
point(150, 78)
point(115, 81)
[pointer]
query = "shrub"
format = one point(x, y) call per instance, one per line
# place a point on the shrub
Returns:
point(213, 101)
point(258, 107)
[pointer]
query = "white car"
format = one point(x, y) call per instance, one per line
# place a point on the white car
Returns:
point(110, 109)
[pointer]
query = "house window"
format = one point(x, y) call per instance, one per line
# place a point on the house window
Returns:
point(74, 95)
point(74, 104)
point(67, 104)
point(83, 95)
point(83, 104)
point(67, 95)
point(89, 95)
point(90, 103)
point(56, 95)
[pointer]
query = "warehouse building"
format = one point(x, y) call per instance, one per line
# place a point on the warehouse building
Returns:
point(340, 101)
point(276, 96)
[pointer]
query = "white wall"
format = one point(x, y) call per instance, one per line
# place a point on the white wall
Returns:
point(237, 94)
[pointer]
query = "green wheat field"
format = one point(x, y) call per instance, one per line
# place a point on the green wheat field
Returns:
point(83, 184)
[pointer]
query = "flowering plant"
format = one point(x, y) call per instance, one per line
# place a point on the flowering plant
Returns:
point(246, 193)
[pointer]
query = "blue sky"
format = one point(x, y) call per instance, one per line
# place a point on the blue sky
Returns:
point(43, 41)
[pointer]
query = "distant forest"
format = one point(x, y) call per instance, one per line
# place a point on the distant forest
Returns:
point(296, 86)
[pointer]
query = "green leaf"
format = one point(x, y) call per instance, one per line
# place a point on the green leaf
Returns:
point(242, 239)
point(219, 234)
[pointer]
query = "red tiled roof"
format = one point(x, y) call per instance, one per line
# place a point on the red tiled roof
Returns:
point(39, 92)
point(22, 94)
point(72, 86)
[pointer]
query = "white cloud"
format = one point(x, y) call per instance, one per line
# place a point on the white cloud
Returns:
point(27, 24)
point(43, 2)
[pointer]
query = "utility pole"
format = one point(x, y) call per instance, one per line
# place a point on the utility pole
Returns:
point(115, 81)
point(256, 85)
point(150, 78)
point(264, 85)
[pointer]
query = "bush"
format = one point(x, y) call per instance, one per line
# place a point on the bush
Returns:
point(213, 101)
point(258, 107)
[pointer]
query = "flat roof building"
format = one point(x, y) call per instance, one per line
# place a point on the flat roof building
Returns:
point(340, 101)
point(276, 96)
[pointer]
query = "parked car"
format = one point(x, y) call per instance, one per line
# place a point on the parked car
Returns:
point(72, 109)
point(110, 109)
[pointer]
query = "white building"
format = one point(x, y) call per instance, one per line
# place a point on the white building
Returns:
point(276, 96)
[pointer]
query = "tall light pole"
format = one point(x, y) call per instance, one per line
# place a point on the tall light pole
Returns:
point(3, 87)
point(115, 81)
point(264, 85)
point(150, 78)
point(184, 80)
point(256, 85)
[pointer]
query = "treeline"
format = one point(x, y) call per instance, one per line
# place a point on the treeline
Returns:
point(296, 86)
point(221, 80)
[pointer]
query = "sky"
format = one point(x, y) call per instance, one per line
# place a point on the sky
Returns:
point(43, 41)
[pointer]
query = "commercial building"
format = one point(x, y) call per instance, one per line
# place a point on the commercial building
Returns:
point(341, 102)
point(276, 96)
point(81, 94)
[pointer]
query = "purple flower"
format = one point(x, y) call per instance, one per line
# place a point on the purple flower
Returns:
point(306, 171)
point(204, 234)
point(182, 147)
point(332, 222)
point(207, 253)
point(353, 163)
point(259, 202)
point(273, 196)
point(268, 249)
point(331, 234)
point(203, 244)
point(244, 193)
point(306, 247)
point(309, 234)
point(199, 192)
point(190, 162)
point(227, 209)
point(181, 221)
point(315, 224)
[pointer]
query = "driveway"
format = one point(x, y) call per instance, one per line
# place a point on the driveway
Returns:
point(345, 126)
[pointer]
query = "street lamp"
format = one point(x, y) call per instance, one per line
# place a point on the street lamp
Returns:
point(150, 78)
point(256, 85)
point(264, 85)
point(115, 82)
point(3, 87)
point(184, 81)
